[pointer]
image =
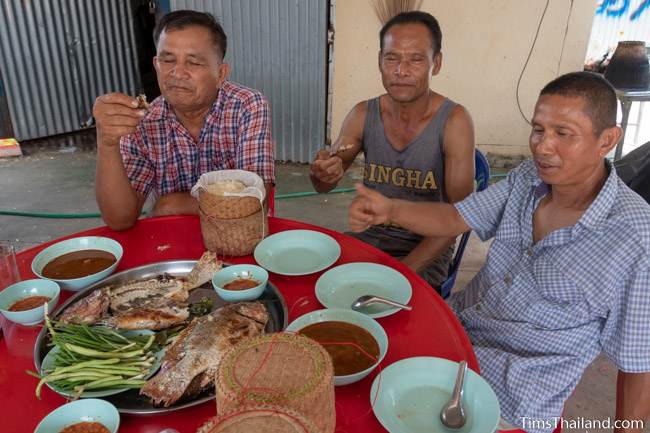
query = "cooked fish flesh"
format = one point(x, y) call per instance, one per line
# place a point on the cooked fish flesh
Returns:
point(161, 317)
point(139, 293)
point(203, 271)
point(194, 357)
point(88, 310)
point(142, 101)
point(157, 303)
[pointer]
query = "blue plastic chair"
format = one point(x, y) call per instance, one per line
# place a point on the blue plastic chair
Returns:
point(481, 176)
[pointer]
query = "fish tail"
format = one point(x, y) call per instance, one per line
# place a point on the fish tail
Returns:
point(166, 388)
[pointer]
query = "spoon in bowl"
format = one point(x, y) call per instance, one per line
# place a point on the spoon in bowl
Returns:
point(365, 300)
point(452, 414)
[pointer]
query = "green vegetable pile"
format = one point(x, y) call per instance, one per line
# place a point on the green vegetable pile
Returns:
point(201, 308)
point(94, 358)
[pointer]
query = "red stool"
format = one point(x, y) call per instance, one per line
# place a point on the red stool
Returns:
point(271, 201)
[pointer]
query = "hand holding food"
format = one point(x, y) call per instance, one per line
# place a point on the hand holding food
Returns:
point(116, 115)
point(142, 101)
point(327, 168)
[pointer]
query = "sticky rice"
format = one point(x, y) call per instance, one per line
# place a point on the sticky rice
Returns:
point(222, 186)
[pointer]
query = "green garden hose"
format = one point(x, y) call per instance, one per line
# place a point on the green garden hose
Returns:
point(36, 214)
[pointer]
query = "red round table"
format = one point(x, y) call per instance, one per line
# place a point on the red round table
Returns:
point(431, 329)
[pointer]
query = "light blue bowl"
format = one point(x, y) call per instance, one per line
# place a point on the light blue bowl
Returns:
point(25, 289)
point(230, 273)
point(76, 244)
point(348, 316)
point(86, 410)
point(411, 393)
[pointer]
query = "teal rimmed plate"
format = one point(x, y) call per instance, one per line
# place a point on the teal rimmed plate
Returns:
point(341, 286)
point(297, 252)
point(410, 394)
point(48, 364)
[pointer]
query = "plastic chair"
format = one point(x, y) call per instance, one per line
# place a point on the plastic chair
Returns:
point(481, 176)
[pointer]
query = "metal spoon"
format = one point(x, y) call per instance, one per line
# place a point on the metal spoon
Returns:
point(365, 300)
point(452, 414)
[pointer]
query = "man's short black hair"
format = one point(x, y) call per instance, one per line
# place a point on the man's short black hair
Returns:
point(599, 96)
point(181, 19)
point(411, 17)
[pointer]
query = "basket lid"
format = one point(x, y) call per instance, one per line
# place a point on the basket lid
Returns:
point(268, 418)
point(275, 368)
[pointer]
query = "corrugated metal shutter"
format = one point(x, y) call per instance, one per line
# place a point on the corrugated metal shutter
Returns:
point(618, 21)
point(57, 57)
point(279, 47)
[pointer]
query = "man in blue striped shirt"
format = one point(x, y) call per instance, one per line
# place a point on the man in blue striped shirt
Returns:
point(568, 273)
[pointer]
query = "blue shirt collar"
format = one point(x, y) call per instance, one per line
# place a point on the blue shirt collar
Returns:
point(598, 210)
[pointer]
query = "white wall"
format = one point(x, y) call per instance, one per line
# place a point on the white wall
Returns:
point(484, 45)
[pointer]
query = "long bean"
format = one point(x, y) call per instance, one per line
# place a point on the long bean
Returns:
point(85, 364)
point(55, 377)
point(102, 355)
point(118, 383)
point(97, 358)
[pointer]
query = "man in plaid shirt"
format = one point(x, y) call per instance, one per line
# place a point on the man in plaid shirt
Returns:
point(568, 272)
point(201, 123)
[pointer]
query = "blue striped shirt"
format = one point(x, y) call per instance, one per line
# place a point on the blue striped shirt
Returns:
point(539, 313)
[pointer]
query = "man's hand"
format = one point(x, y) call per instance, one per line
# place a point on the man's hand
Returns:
point(368, 208)
point(116, 115)
point(327, 168)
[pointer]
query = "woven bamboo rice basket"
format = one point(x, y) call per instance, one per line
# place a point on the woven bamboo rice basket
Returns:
point(267, 419)
point(228, 207)
point(286, 370)
point(233, 237)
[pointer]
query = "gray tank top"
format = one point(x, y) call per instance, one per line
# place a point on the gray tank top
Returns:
point(417, 172)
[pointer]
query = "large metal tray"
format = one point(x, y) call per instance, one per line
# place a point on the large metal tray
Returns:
point(131, 402)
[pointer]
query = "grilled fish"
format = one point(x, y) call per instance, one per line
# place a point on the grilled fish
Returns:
point(157, 303)
point(163, 290)
point(194, 357)
point(154, 318)
point(88, 310)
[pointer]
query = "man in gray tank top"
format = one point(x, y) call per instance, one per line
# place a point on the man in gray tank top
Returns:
point(418, 145)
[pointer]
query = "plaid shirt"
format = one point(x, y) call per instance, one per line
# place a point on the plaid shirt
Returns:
point(162, 156)
point(538, 314)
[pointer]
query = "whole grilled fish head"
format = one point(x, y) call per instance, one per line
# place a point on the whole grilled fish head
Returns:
point(88, 310)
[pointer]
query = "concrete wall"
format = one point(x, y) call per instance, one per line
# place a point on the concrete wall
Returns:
point(484, 45)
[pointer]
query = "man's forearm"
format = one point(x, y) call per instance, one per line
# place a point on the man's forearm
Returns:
point(117, 200)
point(632, 399)
point(428, 219)
point(426, 251)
